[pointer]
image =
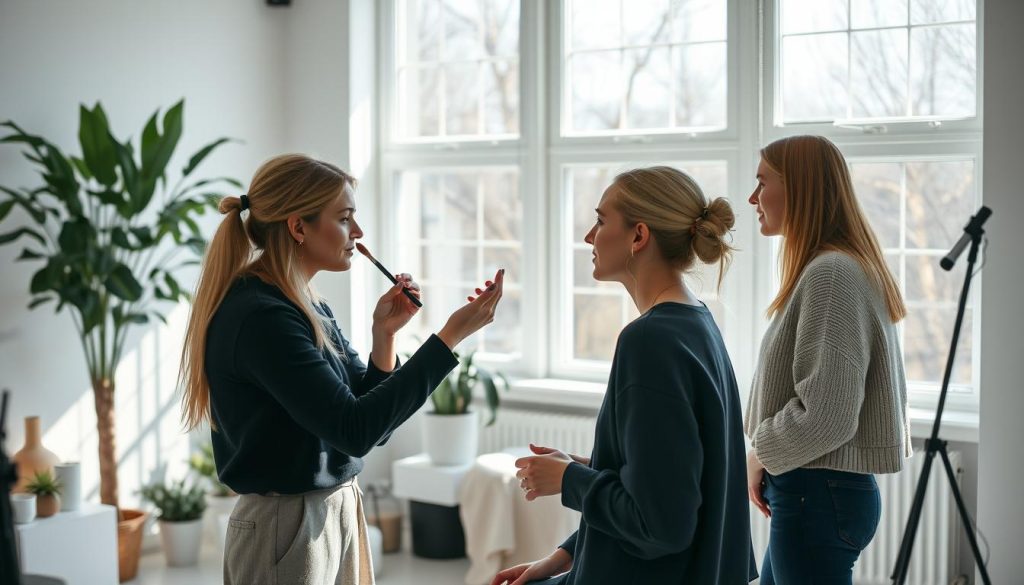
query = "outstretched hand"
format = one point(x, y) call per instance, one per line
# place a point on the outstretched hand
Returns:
point(541, 475)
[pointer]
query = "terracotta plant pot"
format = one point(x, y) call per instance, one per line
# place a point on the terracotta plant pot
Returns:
point(129, 543)
point(33, 457)
point(47, 505)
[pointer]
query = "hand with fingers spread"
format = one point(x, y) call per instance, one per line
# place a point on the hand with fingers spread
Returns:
point(475, 314)
point(755, 483)
point(394, 309)
point(541, 475)
point(556, 563)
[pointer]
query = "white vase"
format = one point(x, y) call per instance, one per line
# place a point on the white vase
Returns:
point(70, 477)
point(451, 439)
point(181, 542)
point(218, 509)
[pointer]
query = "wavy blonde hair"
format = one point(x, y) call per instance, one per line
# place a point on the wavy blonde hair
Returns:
point(822, 214)
point(261, 246)
point(684, 223)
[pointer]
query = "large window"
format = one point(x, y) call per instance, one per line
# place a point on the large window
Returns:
point(506, 120)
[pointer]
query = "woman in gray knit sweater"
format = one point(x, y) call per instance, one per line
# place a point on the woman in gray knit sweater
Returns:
point(827, 408)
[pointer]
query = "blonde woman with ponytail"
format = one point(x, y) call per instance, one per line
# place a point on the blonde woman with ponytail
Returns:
point(291, 405)
point(828, 405)
point(662, 495)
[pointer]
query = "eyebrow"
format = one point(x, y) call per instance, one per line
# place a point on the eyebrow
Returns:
point(352, 209)
point(599, 212)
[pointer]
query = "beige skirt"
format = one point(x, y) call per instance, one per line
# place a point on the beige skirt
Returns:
point(313, 538)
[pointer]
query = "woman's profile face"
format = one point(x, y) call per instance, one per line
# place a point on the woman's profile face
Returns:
point(330, 240)
point(769, 197)
point(611, 239)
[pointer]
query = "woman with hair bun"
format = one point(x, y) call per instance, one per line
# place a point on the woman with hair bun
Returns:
point(662, 495)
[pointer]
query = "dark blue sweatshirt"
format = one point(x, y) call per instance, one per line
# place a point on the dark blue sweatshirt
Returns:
point(664, 500)
point(291, 418)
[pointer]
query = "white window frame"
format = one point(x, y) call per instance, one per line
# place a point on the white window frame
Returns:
point(540, 151)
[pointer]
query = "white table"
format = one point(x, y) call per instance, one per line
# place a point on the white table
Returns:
point(79, 547)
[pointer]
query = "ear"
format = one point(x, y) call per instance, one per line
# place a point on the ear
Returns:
point(641, 237)
point(297, 228)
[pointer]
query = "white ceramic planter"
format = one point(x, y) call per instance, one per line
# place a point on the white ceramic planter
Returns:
point(451, 439)
point(181, 542)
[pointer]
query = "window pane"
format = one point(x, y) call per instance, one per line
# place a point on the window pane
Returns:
point(879, 188)
point(646, 22)
point(596, 91)
point(927, 281)
point(645, 66)
point(943, 74)
point(940, 201)
point(700, 85)
point(802, 16)
point(878, 13)
point(933, 11)
point(596, 326)
point(648, 93)
point(927, 335)
point(594, 24)
point(814, 77)
point(878, 73)
point(899, 67)
point(458, 68)
point(698, 20)
point(586, 185)
point(456, 228)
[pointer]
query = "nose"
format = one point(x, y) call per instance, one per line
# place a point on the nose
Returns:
point(753, 198)
point(589, 238)
point(357, 232)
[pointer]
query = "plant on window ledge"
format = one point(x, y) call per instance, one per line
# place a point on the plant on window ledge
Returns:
point(455, 393)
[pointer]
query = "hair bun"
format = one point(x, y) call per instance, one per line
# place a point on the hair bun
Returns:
point(710, 229)
point(229, 204)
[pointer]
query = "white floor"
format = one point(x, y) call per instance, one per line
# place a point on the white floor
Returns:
point(398, 569)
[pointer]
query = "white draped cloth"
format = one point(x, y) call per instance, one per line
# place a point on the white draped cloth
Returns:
point(502, 528)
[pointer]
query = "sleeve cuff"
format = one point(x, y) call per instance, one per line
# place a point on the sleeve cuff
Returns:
point(576, 481)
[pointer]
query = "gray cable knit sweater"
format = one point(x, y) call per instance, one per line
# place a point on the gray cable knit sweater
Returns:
point(829, 390)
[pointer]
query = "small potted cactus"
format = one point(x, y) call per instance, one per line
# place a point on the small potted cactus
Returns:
point(47, 491)
point(180, 510)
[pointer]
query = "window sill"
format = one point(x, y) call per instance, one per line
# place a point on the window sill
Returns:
point(578, 395)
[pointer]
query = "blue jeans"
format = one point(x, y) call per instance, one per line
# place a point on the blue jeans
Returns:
point(821, 521)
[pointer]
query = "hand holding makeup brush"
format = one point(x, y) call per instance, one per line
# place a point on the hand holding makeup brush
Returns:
point(394, 309)
point(473, 316)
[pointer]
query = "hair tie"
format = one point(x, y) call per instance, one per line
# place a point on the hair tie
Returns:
point(245, 202)
point(704, 214)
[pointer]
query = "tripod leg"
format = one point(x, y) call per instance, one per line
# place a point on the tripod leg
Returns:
point(964, 517)
point(899, 572)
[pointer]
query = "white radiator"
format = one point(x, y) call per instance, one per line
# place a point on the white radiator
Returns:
point(933, 561)
point(570, 433)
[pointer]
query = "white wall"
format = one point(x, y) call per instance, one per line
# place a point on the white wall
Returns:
point(227, 59)
point(1001, 473)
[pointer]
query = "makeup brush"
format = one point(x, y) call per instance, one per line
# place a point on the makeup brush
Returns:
point(362, 250)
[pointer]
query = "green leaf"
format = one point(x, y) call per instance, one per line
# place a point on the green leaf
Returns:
point(119, 238)
point(82, 168)
point(130, 175)
point(197, 245)
point(27, 200)
point(46, 278)
point(39, 301)
point(157, 149)
point(160, 316)
point(77, 236)
point(122, 284)
point(6, 207)
point(27, 254)
point(172, 285)
point(97, 144)
point(202, 154)
point(11, 236)
point(491, 394)
point(144, 235)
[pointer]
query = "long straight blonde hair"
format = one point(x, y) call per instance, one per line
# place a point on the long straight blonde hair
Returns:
point(822, 214)
point(259, 246)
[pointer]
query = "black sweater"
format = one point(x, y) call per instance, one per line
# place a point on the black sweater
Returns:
point(664, 499)
point(289, 417)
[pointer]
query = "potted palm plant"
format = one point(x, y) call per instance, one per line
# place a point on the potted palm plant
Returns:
point(180, 515)
point(47, 490)
point(451, 432)
point(110, 230)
